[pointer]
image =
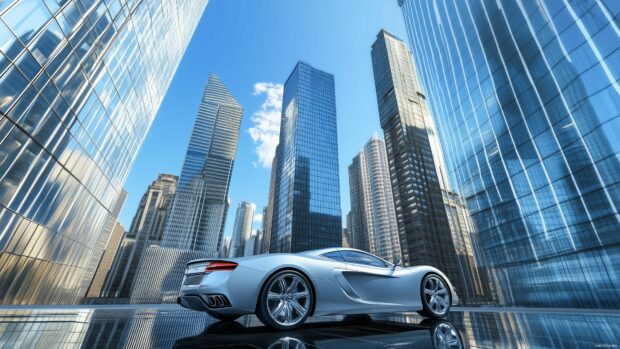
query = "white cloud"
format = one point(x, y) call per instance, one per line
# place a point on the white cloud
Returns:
point(266, 130)
point(258, 218)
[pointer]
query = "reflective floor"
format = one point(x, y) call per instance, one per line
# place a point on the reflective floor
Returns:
point(173, 327)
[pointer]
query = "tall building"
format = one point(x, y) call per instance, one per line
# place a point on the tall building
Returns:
point(80, 85)
point(423, 227)
point(527, 103)
point(96, 285)
point(268, 212)
point(249, 246)
point(225, 250)
point(242, 229)
point(195, 225)
point(306, 206)
point(146, 228)
point(200, 204)
point(373, 217)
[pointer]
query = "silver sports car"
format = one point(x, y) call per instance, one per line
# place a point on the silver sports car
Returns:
point(284, 289)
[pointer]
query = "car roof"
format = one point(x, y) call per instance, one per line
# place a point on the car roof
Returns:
point(321, 251)
point(330, 249)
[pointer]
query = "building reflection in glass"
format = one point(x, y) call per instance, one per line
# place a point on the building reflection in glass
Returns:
point(80, 84)
point(527, 104)
point(180, 328)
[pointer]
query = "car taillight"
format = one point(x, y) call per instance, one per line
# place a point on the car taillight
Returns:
point(220, 266)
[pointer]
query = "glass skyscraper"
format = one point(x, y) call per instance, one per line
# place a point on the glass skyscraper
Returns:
point(423, 226)
point(306, 205)
point(80, 84)
point(200, 205)
point(526, 98)
point(242, 230)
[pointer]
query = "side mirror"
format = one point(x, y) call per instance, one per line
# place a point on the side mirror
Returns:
point(397, 263)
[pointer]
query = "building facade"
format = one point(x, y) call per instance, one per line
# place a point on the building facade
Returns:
point(112, 247)
point(250, 244)
point(200, 205)
point(159, 277)
point(268, 212)
point(306, 207)
point(80, 84)
point(423, 227)
point(146, 228)
point(527, 103)
point(373, 217)
point(242, 229)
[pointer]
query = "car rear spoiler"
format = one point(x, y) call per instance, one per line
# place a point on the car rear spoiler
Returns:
point(202, 260)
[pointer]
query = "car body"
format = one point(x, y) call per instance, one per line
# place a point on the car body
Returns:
point(341, 281)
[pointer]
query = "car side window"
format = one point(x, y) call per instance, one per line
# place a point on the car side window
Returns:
point(363, 258)
point(335, 255)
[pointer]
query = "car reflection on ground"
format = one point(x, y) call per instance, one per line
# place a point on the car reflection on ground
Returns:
point(359, 332)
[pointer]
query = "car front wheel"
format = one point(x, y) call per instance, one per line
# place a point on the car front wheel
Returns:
point(436, 297)
point(285, 301)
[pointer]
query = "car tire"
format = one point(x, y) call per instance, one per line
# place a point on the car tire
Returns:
point(436, 297)
point(224, 317)
point(286, 300)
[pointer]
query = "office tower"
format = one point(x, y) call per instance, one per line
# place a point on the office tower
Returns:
point(194, 228)
point(373, 217)
point(242, 228)
point(306, 205)
point(258, 243)
point(248, 247)
point(80, 85)
point(346, 237)
point(96, 285)
point(225, 250)
point(526, 99)
point(201, 201)
point(268, 213)
point(423, 227)
point(146, 228)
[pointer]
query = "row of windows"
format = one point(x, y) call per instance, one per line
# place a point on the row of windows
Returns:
point(525, 96)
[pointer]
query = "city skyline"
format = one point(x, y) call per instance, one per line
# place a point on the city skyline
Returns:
point(339, 45)
point(500, 147)
point(277, 173)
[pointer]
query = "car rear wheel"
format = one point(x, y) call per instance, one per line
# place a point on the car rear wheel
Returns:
point(285, 301)
point(436, 297)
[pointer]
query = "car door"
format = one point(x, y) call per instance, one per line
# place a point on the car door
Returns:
point(374, 280)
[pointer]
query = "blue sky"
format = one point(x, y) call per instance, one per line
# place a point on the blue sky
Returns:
point(253, 46)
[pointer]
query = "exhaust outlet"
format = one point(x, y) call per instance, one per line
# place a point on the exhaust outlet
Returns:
point(211, 301)
point(220, 301)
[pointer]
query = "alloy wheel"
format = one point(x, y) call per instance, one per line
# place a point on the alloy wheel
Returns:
point(288, 299)
point(446, 336)
point(437, 295)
